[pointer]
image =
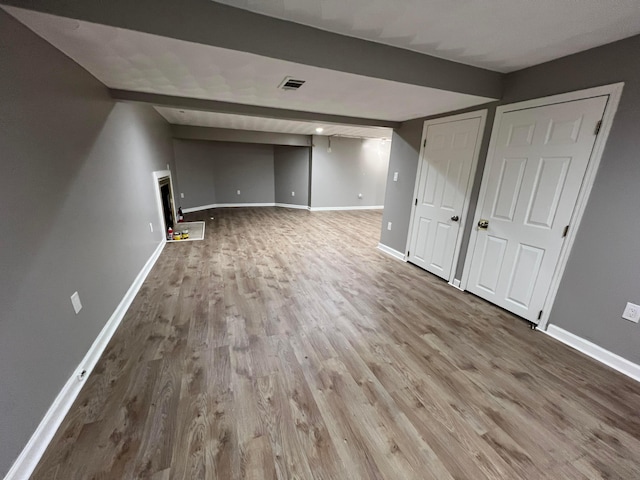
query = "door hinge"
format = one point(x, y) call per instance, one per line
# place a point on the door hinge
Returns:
point(598, 126)
point(540, 315)
point(424, 144)
point(408, 253)
point(416, 203)
point(566, 231)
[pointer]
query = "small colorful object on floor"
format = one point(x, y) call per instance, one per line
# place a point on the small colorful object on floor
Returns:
point(177, 236)
point(180, 215)
point(185, 234)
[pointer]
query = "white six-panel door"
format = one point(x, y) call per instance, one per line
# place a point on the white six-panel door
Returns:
point(444, 176)
point(532, 182)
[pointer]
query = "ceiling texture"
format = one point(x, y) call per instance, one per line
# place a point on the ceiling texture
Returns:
point(500, 35)
point(237, 52)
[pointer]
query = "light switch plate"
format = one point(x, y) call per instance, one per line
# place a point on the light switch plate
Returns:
point(75, 301)
point(181, 195)
point(388, 225)
point(631, 312)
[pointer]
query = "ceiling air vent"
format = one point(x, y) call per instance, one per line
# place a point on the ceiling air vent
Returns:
point(290, 83)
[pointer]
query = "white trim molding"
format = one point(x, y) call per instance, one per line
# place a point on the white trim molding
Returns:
point(291, 205)
point(390, 251)
point(227, 205)
point(594, 351)
point(327, 209)
point(28, 459)
point(614, 92)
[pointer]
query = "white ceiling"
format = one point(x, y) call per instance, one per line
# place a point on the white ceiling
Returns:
point(143, 62)
point(500, 35)
point(245, 122)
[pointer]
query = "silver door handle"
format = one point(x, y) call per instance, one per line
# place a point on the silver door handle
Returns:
point(483, 223)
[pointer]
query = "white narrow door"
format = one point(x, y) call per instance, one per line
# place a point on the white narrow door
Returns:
point(444, 173)
point(532, 183)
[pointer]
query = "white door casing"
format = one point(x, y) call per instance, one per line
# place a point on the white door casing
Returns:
point(447, 164)
point(532, 183)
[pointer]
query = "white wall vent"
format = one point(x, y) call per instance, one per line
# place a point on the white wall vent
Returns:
point(290, 83)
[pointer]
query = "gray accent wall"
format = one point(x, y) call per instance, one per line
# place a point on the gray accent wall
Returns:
point(405, 150)
point(603, 271)
point(352, 166)
point(77, 198)
point(212, 172)
point(291, 169)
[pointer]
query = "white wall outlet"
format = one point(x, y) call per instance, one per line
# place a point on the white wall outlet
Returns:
point(181, 195)
point(631, 312)
point(388, 225)
point(75, 301)
point(293, 194)
point(237, 192)
point(359, 195)
point(395, 176)
point(151, 227)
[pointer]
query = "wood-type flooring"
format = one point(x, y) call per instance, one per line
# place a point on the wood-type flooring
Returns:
point(286, 346)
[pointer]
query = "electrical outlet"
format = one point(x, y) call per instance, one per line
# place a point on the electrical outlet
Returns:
point(631, 312)
point(181, 195)
point(237, 192)
point(75, 301)
point(293, 194)
point(395, 176)
point(388, 225)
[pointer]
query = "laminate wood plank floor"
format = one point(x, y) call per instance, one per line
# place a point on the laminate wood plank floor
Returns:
point(286, 346)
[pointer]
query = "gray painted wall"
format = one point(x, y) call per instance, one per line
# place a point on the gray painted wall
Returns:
point(291, 174)
point(353, 166)
point(212, 172)
point(76, 171)
point(603, 271)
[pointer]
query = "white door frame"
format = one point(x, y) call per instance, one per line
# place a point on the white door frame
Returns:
point(482, 114)
point(614, 91)
point(157, 175)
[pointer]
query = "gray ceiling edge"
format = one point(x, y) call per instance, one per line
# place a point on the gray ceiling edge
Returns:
point(188, 103)
point(210, 23)
point(187, 132)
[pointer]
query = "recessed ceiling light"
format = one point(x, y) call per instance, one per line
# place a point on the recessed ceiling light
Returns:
point(319, 130)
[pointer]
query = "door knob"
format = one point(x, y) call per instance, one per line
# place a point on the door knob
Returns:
point(483, 223)
point(455, 218)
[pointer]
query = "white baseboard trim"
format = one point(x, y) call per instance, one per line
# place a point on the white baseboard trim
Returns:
point(610, 359)
point(28, 459)
point(226, 205)
point(291, 205)
point(326, 209)
point(455, 283)
point(392, 252)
